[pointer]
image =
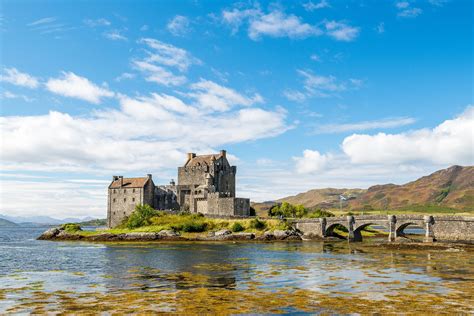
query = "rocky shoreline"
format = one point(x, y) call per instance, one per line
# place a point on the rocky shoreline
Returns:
point(59, 234)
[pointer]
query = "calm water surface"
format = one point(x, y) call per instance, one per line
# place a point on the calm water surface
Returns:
point(229, 278)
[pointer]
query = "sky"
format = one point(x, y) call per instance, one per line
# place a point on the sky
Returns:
point(301, 94)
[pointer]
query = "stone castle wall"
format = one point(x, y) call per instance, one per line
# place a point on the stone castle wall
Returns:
point(122, 203)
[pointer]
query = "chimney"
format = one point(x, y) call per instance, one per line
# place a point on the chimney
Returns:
point(121, 180)
point(191, 156)
point(223, 153)
point(172, 182)
point(115, 178)
point(149, 176)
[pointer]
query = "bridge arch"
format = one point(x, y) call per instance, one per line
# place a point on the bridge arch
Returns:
point(400, 231)
point(329, 230)
point(360, 227)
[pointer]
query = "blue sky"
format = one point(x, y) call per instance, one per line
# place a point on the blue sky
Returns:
point(301, 94)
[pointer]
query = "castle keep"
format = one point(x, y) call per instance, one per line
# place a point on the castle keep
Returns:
point(206, 184)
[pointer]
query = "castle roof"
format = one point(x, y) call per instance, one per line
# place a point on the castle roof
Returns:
point(129, 183)
point(202, 160)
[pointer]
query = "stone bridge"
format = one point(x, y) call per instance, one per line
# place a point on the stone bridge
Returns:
point(449, 228)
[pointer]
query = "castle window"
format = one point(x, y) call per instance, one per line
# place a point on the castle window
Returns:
point(114, 200)
point(133, 190)
point(133, 199)
point(125, 199)
point(115, 191)
point(124, 190)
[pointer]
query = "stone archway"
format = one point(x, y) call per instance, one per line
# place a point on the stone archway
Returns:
point(401, 228)
point(329, 231)
point(361, 227)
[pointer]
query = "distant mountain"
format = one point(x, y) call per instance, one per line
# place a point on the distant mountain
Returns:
point(94, 222)
point(323, 198)
point(451, 188)
point(5, 223)
point(42, 220)
point(448, 188)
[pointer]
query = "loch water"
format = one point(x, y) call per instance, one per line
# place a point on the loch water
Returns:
point(229, 278)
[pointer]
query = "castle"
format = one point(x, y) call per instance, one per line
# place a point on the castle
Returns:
point(206, 185)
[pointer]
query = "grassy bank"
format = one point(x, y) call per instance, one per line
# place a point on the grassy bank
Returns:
point(188, 224)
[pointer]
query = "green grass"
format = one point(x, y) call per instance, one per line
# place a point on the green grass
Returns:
point(189, 224)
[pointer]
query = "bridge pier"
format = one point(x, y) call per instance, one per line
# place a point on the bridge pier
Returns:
point(392, 228)
point(429, 232)
point(323, 223)
point(353, 235)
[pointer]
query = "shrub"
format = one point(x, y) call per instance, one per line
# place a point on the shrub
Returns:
point(194, 227)
point(141, 216)
point(237, 227)
point(283, 225)
point(71, 227)
point(286, 209)
point(320, 213)
point(257, 224)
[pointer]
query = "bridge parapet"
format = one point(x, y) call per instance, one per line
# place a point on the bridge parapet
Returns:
point(445, 227)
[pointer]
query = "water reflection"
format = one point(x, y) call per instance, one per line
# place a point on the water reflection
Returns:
point(222, 278)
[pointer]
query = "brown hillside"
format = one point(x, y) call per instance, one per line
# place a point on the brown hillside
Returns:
point(452, 187)
point(323, 198)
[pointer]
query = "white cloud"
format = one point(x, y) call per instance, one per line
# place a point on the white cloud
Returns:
point(13, 76)
point(49, 25)
point(311, 6)
point(279, 24)
point(115, 35)
point(438, 3)
point(144, 28)
point(42, 21)
point(275, 23)
point(10, 95)
point(235, 17)
point(315, 57)
point(311, 161)
point(178, 26)
point(321, 86)
point(317, 83)
point(145, 134)
point(74, 86)
point(410, 13)
point(210, 95)
point(55, 198)
point(341, 31)
point(363, 126)
point(380, 28)
point(125, 76)
point(169, 55)
point(451, 142)
point(406, 11)
point(294, 95)
point(97, 22)
point(160, 59)
point(159, 74)
point(402, 4)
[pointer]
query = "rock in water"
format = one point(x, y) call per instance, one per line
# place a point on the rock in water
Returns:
point(168, 233)
point(49, 234)
point(222, 232)
point(140, 236)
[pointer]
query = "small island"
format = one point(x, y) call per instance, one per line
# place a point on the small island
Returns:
point(148, 224)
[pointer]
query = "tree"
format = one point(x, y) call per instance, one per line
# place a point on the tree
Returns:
point(141, 216)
